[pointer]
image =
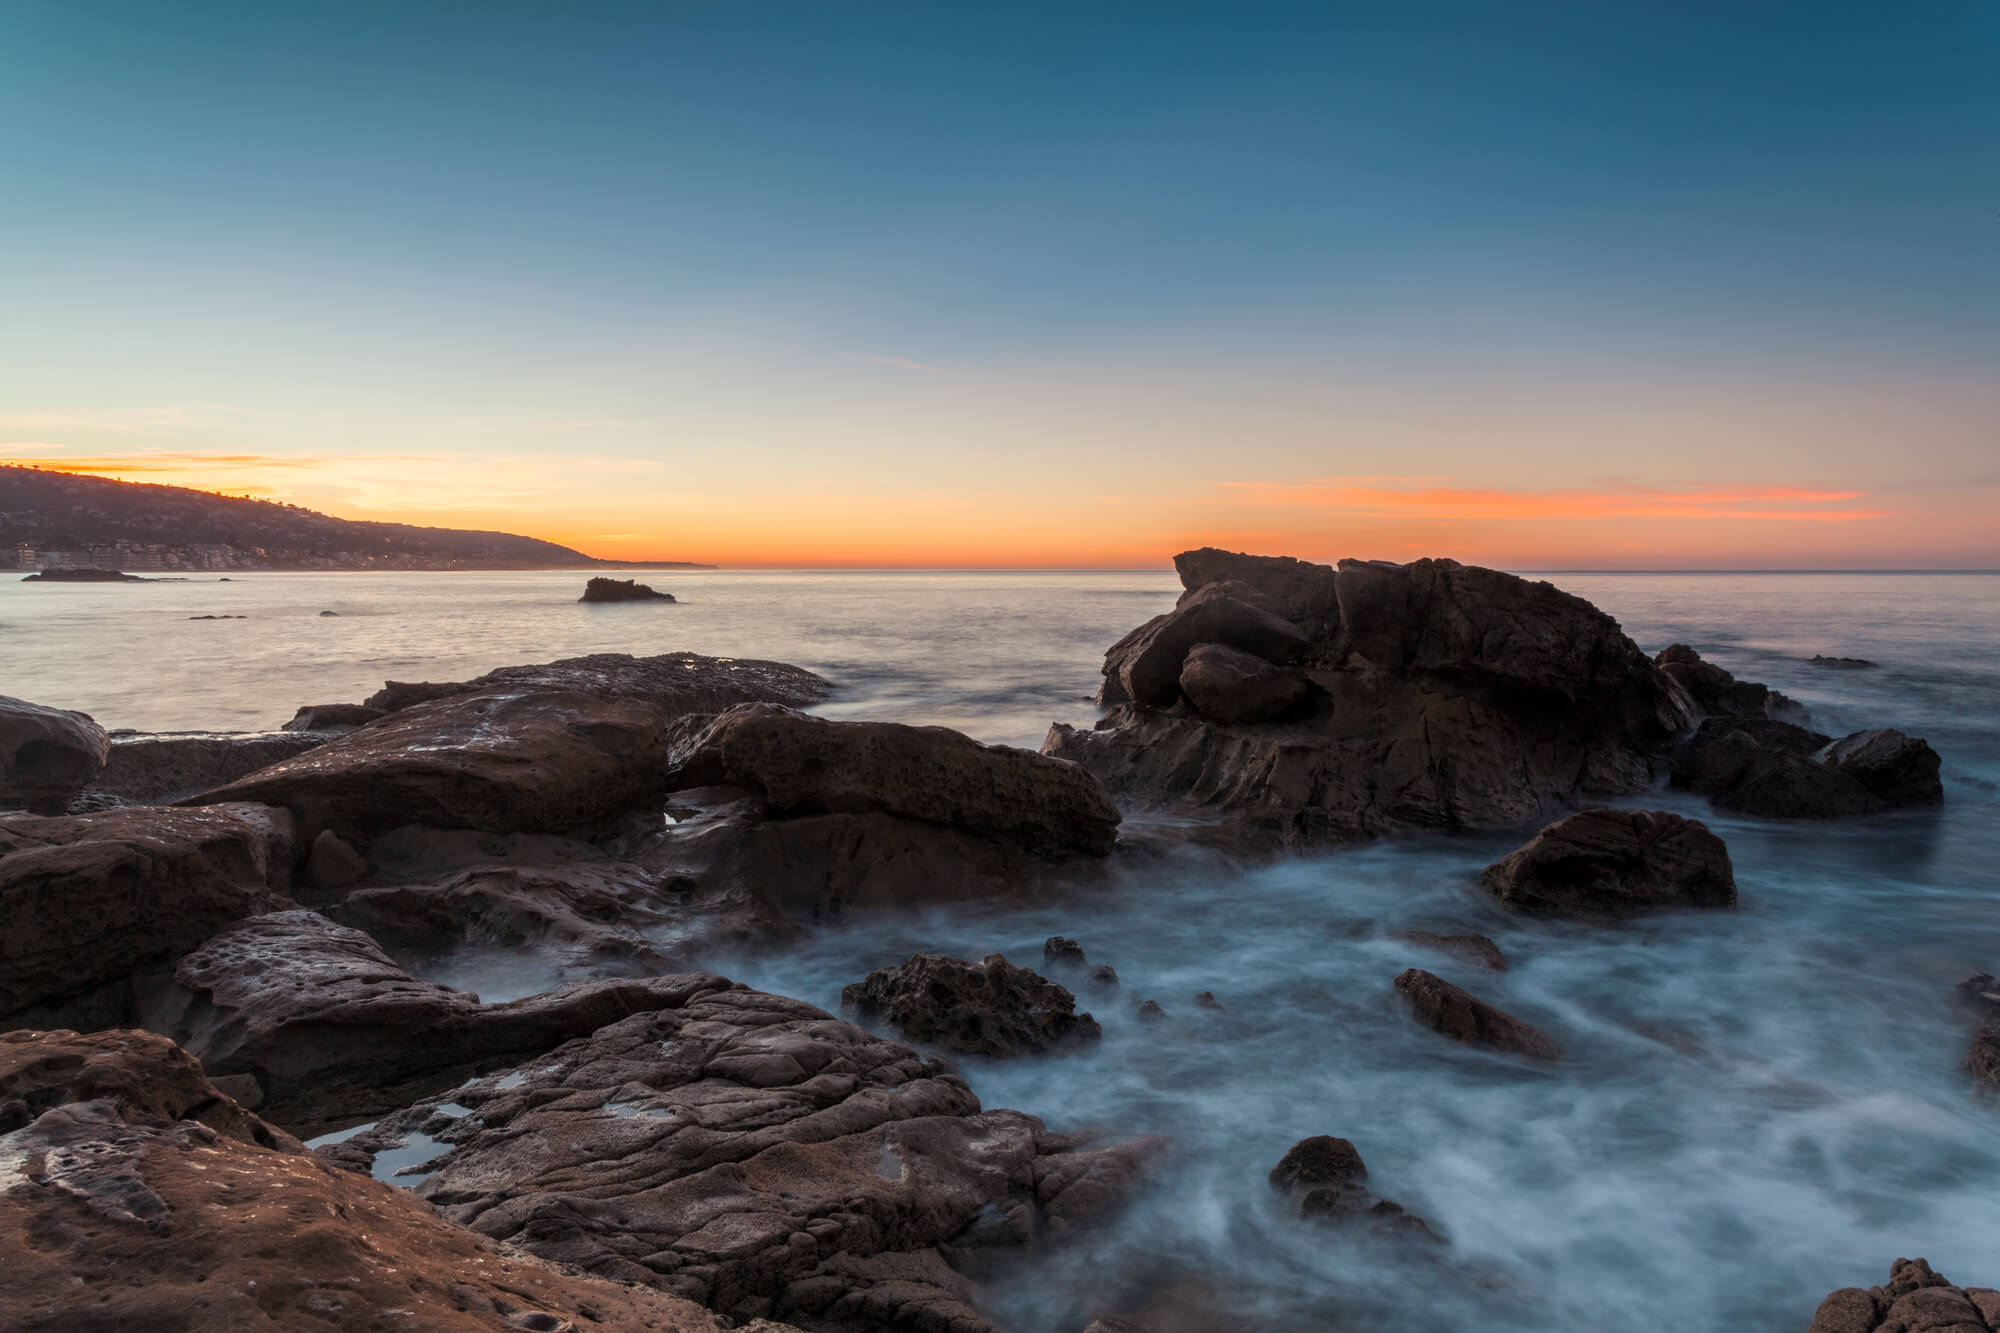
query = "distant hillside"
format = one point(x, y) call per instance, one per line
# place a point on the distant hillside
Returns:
point(57, 519)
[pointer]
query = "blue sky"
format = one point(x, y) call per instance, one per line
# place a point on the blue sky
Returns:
point(713, 274)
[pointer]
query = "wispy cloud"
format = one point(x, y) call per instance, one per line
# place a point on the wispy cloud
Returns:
point(121, 418)
point(1367, 498)
point(893, 362)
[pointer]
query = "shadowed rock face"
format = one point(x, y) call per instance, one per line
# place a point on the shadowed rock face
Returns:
point(985, 1008)
point(171, 766)
point(1615, 863)
point(1146, 665)
point(1716, 691)
point(1446, 1009)
point(144, 1199)
point(1442, 695)
point(621, 590)
point(88, 900)
point(759, 1156)
point(333, 1031)
point(47, 755)
point(801, 766)
point(1472, 948)
point(1779, 771)
point(1225, 685)
point(1325, 1176)
point(1914, 1299)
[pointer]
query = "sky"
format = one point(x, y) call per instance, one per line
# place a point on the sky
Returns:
point(1541, 286)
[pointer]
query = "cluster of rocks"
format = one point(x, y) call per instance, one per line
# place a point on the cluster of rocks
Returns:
point(221, 914)
point(1914, 1299)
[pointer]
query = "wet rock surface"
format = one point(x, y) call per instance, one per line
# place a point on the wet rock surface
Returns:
point(333, 717)
point(47, 755)
point(757, 1155)
point(1466, 1019)
point(1443, 696)
point(169, 766)
point(87, 901)
point(1914, 1300)
point(990, 1007)
point(1615, 863)
point(142, 1198)
point(333, 1030)
point(680, 683)
point(1326, 1179)
point(1470, 948)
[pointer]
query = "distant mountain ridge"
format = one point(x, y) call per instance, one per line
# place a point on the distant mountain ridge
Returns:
point(51, 519)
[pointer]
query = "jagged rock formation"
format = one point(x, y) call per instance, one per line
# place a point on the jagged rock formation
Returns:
point(1717, 692)
point(47, 755)
point(756, 1155)
point(1436, 695)
point(1915, 1300)
point(142, 1198)
point(1465, 1018)
point(87, 901)
point(1615, 863)
point(985, 1008)
point(1780, 771)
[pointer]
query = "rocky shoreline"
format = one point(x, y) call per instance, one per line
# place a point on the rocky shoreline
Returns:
point(211, 913)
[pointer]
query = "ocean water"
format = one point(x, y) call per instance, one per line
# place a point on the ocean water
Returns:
point(1754, 1107)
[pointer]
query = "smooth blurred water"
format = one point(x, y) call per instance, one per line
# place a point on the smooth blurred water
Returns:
point(1753, 1108)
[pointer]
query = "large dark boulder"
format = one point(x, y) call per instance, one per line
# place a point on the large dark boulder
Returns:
point(621, 590)
point(86, 901)
point(1615, 863)
point(1145, 665)
point(985, 1008)
point(333, 1031)
point(1227, 685)
point(1465, 1018)
point(47, 755)
point(1779, 771)
point(801, 765)
point(1914, 1300)
point(756, 1155)
point(1443, 696)
point(144, 1199)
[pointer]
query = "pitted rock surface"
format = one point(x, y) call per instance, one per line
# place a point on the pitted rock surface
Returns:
point(47, 755)
point(1914, 1300)
point(170, 766)
point(1615, 863)
point(1443, 696)
point(88, 900)
point(759, 1156)
point(136, 1197)
point(680, 683)
point(333, 1030)
point(985, 1008)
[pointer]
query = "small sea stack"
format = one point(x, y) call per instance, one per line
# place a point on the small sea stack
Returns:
point(621, 590)
point(85, 576)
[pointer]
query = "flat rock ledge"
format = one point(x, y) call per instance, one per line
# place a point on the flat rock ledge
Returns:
point(758, 1156)
point(141, 1197)
point(985, 1008)
point(1914, 1300)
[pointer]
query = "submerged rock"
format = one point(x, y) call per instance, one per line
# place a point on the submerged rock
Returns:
point(1325, 1176)
point(333, 1031)
point(1446, 1009)
point(1914, 1298)
point(87, 901)
point(759, 1156)
point(1615, 863)
point(985, 1008)
point(47, 755)
point(1442, 695)
point(1060, 952)
point(1472, 948)
point(149, 1200)
point(621, 590)
point(1842, 663)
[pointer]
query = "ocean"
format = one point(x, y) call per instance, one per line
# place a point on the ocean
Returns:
point(1754, 1107)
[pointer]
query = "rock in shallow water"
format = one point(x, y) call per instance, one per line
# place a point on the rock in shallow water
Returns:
point(86, 901)
point(1465, 1018)
point(985, 1008)
point(1472, 948)
point(47, 755)
point(1615, 863)
point(1325, 1176)
point(760, 1156)
point(1914, 1300)
point(148, 1200)
point(1778, 771)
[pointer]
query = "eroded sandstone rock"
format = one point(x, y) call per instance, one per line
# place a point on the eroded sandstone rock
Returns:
point(990, 1007)
point(47, 755)
point(1914, 1300)
point(756, 1155)
point(88, 900)
point(144, 1199)
point(1472, 948)
point(1226, 685)
point(1615, 863)
point(1146, 665)
point(1465, 1018)
point(681, 683)
point(169, 766)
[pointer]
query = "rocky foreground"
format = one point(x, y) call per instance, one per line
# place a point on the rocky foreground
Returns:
point(198, 938)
